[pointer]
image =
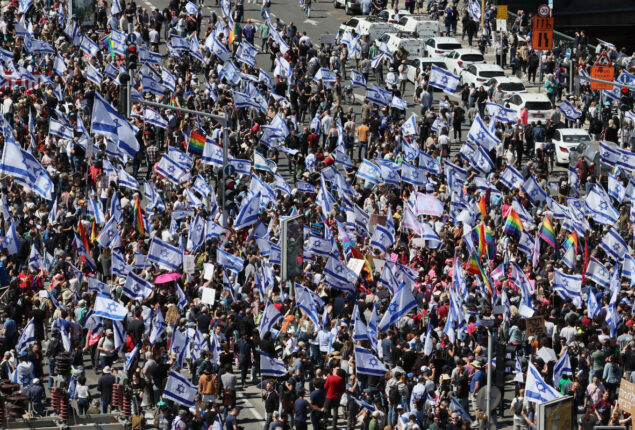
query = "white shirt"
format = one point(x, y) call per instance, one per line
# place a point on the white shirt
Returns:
point(568, 333)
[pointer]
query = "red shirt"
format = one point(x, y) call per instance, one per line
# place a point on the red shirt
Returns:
point(334, 387)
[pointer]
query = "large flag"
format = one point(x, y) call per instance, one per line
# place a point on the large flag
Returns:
point(366, 363)
point(562, 367)
point(338, 276)
point(165, 255)
point(249, 212)
point(443, 79)
point(536, 389)
point(11, 241)
point(270, 316)
point(107, 308)
point(269, 366)
point(479, 133)
point(225, 259)
point(613, 245)
point(180, 390)
point(27, 337)
point(568, 286)
point(136, 287)
point(402, 302)
point(107, 122)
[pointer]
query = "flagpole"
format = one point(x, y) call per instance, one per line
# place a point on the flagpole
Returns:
point(489, 377)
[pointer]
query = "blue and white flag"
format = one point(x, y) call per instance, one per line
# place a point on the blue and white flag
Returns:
point(92, 74)
point(512, 178)
point(127, 180)
point(443, 79)
point(358, 79)
point(562, 367)
point(165, 255)
point(569, 287)
point(107, 308)
point(170, 170)
point(119, 267)
point(98, 286)
point(265, 78)
point(457, 407)
point(339, 276)
point(305, 187)
point(27, 337)
point(108, 234)
point(369, 172)
point(276, 37)
point(107, 122)
point(596, 272)
point(153, 117)
point(180, 390)
point(231, 262)
point(168, 79)
point(402, 302)
point(479, 133)
point(409, 128)
point(533, 191)
point(249, 212)
point(35, 46)
point(151, 86)
point(413, 175)
point(569, 111)
point(35, 258)
point(58, 129)
point(195, 48)
point(501, 113)
point(270, 316)
point(410, 152)
point(25, 5)
point(178, 346)
point(366, 363)
point(89, 46)
point(593, 307)
point(244, 101)
point(318, 246)
point(378, 95)
point(115, 8)
point(628, 268)
point(325, 75)
point(137, 288)
point(536, 389)
point(360, 330)
point(130, 357)
point(261, 163)
point(11, 240)
point(212, 153)
point(613, 245)
point(158, 327)
point(399, 103)
point(269, 366)
point(474, 8)
point(481, 161)
point(389, 176)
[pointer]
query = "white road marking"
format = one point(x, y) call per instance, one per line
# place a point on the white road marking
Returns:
point(251, 407)
point(311, 21)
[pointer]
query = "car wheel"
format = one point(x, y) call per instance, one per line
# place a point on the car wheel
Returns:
point(335, 5)
point(347, 8)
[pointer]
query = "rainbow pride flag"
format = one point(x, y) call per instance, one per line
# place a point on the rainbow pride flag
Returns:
point(572, 240)
point(547, 232)
point(513, 225)
point(138, 216)
point(482, 206)
point(196, 143)
point(490, 242)
point(82, 235)
point(472, 265)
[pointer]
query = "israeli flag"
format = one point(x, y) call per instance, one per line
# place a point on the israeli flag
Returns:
point(165, 255)
point(569, 111)
point(111, 71)
point(158, 327)
point(246, 53)
point(231, 73)
point(126, 180)
point(269, 317)
point(533, 191)
point(389, 176)
point(271, 367)
point(562, 367)
point(119, 39)
point(599, 204)
point(275, 36)
point(59, 65)
point(357, 79)
point(180, 390)
point(481, 161)
point(443, 79)
point(93, 75)
point(58, 129)
point(179, 43)
point(325, 75)
point(597, 273)
point(25, 5)
point(35, 258)
point(474, 8)
point(168, 79)
point(479, 133)
point(305, 187)
point(410, 152)
point(225, 259)
point(369, 172)
point(89, 46)
point(512, 178)
point(107, 122)
point(413, 175)
point(318, 246)
point(501, 113)
point(119, 267)
point(593, 308)
point(137, 288)
point(568, 286)
point(27, 337)
point(458, 408)
point(378, 95)
point(398, 103)
point(191, 8)
point(402, 302)
point(265, 78)
point(153, 117)
point(115, 8)
point(249, 212)
point(628, 268)
point(108, 234)
point(409, 128)
point(202, 187)
point(338, 276)
point(130, 357)
point(366, 363)
point(536, 389)
point(244, 101)
point(178, 346)
point(107, 308)
point(626, 159)
point(11, 241)
point(170, 170)
point(614, 246)
point(212, 153)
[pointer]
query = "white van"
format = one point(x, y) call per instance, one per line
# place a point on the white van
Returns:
point(424, 27)
point(371, 26)
point(413, 45)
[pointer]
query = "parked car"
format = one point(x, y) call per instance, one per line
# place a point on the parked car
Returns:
point(408, 41)
point(508, 85)
point(478, 74)
point(461, 58)
point(539, 105)
point(437, 46)
point(420, 24)
point(419, 62)
point(371, 26)
point(565, 139)
point(389, 15)
point(352, 7)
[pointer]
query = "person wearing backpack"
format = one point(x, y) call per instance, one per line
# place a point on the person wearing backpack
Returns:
point(517, 406)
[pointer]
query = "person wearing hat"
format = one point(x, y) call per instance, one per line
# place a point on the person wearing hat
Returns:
point(479, 380)
point(104, 386)
point(37, 396)
point(106, 348)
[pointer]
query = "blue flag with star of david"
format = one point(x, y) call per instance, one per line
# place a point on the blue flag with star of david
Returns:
point(366, 363)
point(180, 390)
point(402, 302)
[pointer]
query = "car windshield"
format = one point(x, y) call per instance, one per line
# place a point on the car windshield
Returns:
point(492, 73)
point(449, 46)
point(572, 138)
point(512, 86)
point(546, 105)
point(475, 58)
point(440, 65)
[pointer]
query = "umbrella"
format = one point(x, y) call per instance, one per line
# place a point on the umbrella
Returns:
point(167, 277)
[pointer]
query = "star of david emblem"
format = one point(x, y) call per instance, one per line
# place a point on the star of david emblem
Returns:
point(565, 283)
point(604, 206)
point(415, 174)
point(430, 164)
point(28, 43)
point(381, 237)
point(480, 135)
point(272, 362)
point(180, 389)
point(534, 193)
point(199, 228)
point(164, 253)
point(250, 211)
point(616, 247)
point(8, 240)
point(373, 361)
point(176, 349)
point(196, 347)
point(112, 307)
point(444, 80)
point(625, 158)
point(339, 269)
point(392, 175)
point(171, 169)
point(116, 123)
point(393, 307)
point(136, 288)
point(110, 234)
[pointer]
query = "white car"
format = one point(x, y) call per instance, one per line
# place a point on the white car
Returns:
point(418, 63)
point(420, 24)
point(461, 58)
point(478, 74)
point(389, 15)
point(508, 85)
point(566, 138)
point(350, 6)
point(538, 105)
point(371, 26)
point(437, 46)
point(413, 45)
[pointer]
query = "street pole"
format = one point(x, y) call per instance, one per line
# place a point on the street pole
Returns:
point(482, 16)
point(225, 149)
point(540, 72)
point(489, 378)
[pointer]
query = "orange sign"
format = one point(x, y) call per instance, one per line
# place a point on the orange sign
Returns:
point(542, 36)
point(606, 73)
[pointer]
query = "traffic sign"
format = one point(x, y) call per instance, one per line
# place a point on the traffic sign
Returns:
point(229, 169)
point(568, 54)
point(603, 60)
point(501, 12)
point(542, 35)
point(544, 11)
point(605, 73)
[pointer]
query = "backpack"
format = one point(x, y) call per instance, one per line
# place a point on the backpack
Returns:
point(518, 407)
point(394, 396)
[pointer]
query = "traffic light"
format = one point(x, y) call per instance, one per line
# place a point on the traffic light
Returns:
point(626, 100)
point(123, 101)
point(132, 56)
